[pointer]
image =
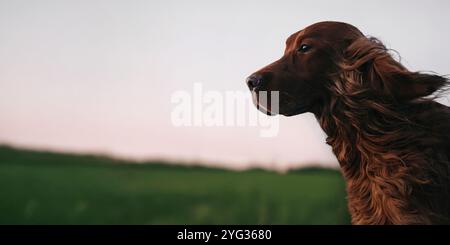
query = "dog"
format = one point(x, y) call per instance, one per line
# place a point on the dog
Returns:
point(392, 140)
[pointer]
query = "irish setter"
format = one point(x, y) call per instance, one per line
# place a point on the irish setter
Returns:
point(391, 139)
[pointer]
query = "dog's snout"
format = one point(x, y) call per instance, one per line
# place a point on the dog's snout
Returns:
point(254, 81)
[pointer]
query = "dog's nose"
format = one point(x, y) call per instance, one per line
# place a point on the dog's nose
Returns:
point(254, 81)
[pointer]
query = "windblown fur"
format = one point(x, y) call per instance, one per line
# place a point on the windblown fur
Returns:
point(393, 145)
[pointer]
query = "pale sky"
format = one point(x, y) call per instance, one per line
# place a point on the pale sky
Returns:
point(97, 76)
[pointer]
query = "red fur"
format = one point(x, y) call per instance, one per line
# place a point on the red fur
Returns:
point(391, 140)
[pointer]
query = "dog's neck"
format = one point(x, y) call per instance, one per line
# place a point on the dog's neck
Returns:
point(363, 131)
point(367, 140)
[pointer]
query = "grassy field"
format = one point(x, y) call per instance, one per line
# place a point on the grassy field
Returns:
point(51, 188)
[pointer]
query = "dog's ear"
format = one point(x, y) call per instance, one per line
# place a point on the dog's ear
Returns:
point(416, 85)
point(379, 71)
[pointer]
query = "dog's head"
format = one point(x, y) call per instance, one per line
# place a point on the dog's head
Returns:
point(335, 59)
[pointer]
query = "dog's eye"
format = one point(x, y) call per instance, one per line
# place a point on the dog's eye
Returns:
point(304, 48)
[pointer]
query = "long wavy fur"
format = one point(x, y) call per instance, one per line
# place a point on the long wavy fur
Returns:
point(391, 139)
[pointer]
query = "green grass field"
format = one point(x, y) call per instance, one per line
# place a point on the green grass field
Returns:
point(51, 188)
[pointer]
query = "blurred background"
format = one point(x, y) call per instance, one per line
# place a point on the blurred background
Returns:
point(93, 81)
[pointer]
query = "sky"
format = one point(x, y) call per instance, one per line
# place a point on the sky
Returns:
point(98, 76)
